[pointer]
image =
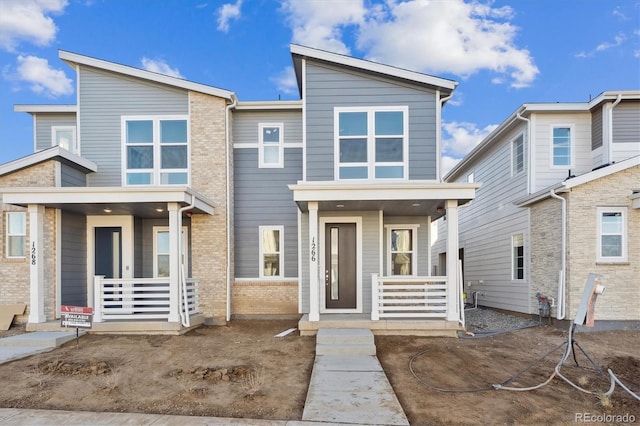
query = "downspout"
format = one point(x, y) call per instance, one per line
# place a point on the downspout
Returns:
point(610, 128)
point(560, 312)
point(182, 274)
point(234, 102)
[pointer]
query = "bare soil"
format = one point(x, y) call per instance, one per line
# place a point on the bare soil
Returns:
point(242, 370)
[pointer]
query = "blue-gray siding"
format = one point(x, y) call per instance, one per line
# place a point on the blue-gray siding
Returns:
point(73, 268)
point(262, 197)
point(70, 176)
point(596, 128)
point(246, 125)
point(626, 122)
point(44, 122)
point(328, 87)
point(104, 98)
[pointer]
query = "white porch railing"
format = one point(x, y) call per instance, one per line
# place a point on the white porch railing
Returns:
point(138, 298)
point(408, 297)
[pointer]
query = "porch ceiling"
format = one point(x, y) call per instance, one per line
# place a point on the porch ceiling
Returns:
point(150, 202)
point(412, 198)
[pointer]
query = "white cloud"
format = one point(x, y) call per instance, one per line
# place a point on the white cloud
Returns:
point(320, 24)
point(286, 81)
point(160, 66)
point(226, 13)
point(460, 138)
point(448, 36)
point(618, 40)
point(447, 163)
point(28, 20)
point(43, 79)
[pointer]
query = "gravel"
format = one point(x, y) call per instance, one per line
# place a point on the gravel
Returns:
point(487, 321)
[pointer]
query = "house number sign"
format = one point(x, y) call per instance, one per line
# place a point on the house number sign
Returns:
point(33, 253)
point(313, 249)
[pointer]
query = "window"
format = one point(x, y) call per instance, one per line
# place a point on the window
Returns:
point(65, 137)
point(161, 250)
point(470, 178)
point(561, 147)
point(612, 234)
point(517, 260)
point(371, 143)
point(270, 145)
point(156, 151)
point(16, 234)
point(517, 155)
point(402, 249)
point(271, 262)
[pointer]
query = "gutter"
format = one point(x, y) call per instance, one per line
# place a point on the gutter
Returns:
point(227, 110)
point(561, 310)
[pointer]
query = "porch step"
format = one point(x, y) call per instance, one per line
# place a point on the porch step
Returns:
point(345, 342)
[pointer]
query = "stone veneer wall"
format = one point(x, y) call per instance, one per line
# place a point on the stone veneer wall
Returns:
point(15, 273)
point(252, 299)
point(209, 178)
point(621, 300)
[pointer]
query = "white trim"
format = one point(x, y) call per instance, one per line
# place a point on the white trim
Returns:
point(288, 145)
point(414, 249)
point(269, 105)
point(624, 234)
point(58, 261)
point(32, 109)
point(321, 250)
point(73, 144)
point(48, 154)
point(185, 245)
point(261, 146)
point(267, 280)
point(299, 213)
point(304, 119)
point(280, 252)
point(371, 163)
point(572, 145)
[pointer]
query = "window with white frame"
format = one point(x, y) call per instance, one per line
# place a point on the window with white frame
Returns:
point(402, 257)
point(64, 137)
point(471, 178)
point(271, 259)
point(517, 256)
point(561, 146)
point(517, 155)
point(371, 143)
point(612, 234)
point(156, 150)
point(270, 145)
point(162, 250)
point(16, 242)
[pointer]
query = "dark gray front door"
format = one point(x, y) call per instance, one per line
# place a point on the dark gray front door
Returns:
point(108, 252)
point(340, 266)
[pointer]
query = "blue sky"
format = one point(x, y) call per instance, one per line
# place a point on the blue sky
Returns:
point(503, 53)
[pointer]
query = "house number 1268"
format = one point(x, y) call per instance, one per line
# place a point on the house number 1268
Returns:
point(33, 253)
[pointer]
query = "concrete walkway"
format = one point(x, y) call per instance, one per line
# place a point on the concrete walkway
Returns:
point(23, 345)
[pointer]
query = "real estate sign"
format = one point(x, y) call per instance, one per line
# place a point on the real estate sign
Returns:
point(76, 316)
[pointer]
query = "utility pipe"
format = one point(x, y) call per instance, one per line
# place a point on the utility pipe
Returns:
point(610, 128)
point(561, 309)
point(182, 275)
point(227, 110)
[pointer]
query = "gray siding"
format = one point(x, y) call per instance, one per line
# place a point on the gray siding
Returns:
point(103, 98)
point(328, 87)
point(246, 131)
point(626, 122)
point(596, 128)
point(262, 197)
point(43, 124)
point(70, 176)
point(73, 268)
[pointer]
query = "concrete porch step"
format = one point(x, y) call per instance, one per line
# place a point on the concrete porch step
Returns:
point(345, 349)
point(39, 339)
point(345, 342)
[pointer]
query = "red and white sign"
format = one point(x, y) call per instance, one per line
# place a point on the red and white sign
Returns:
point(76, 309)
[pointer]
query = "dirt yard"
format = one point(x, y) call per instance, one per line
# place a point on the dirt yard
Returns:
point(242, 370)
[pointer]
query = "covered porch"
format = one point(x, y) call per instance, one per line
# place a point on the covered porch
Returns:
point(122, 251)
point(398, 288)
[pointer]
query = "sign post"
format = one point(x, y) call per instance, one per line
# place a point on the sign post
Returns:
point(76, 316)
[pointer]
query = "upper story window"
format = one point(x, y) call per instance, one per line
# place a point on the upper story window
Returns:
point(517, 257)
point(156, 150)
point(16, 234)
point(562, 143)
point(371, 143)
point(270, 145)
point(517, 155)
point(612, 234)
point(64, 137)
point(402, 258)
point(271, 260)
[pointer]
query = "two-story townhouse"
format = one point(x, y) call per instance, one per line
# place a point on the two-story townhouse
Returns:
point(559, 200)
point(172, 203)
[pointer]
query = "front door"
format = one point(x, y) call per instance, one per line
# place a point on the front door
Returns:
point(108, 252)
point(340, 266)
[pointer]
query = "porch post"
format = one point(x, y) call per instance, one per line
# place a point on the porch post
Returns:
point(36, 264)
point(174, 262)
point(314, 286)
point(452, 259)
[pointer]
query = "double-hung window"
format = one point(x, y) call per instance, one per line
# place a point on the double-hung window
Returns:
point(162, 250)
point(612, 234)
point(64, 137)
point(16, 234)
point(517, 155)
point(561, 146)
point(271, 145)
point(371, 143)
point(402, 249)
point(517, 256)
point(271, 260)
point(156, 150)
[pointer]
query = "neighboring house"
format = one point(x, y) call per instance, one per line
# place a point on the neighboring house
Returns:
point(164, 203)
point(560, 198)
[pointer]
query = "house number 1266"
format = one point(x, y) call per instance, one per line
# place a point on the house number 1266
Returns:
point(313, 249)
point(33, 253)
